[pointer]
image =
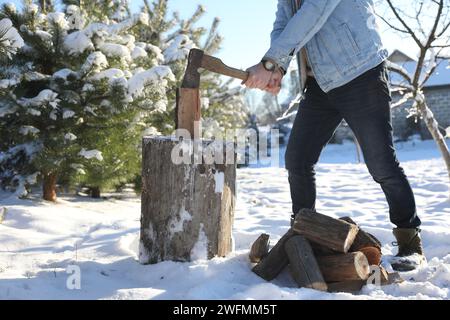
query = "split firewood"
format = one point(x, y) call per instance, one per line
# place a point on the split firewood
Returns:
point(367, 244)
point(344, 267)
point(372, 254)
point(334, 234)
point(275, 261)
point(303, 264)
point(363, 239)
point(260, 248)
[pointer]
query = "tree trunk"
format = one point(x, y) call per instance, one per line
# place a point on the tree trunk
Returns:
point(433, 127)
point(303, 264)
point(187, 209)
point(344, 267)
point(331, 233)
point(95, 192)
point(49, 187)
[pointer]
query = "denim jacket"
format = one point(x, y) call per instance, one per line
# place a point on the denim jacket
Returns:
point(341, 38)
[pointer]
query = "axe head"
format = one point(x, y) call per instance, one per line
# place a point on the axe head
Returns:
point(192, 76)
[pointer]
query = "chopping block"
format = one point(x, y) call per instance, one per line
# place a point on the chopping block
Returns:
point(187, 207)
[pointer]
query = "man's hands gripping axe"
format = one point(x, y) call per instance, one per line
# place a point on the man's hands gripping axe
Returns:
point(260, 78)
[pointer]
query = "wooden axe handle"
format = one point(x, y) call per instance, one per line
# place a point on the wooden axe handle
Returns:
point(216, 65)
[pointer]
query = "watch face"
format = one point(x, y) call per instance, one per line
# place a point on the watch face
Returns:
point(269, 65)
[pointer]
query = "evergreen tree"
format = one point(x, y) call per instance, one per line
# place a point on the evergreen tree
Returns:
point(222, 104)
point(74, 98)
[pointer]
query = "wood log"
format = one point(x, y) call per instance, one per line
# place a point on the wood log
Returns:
point(320, 250)
point(367, 244)
point(372, 254)
point(275, 261)
point(303, 265)
point(389, 278)
point(187, 209)
point(188, 109)
point(394, 277)
point(352, 286)
point(259, 249)
point(335, 234)
point(363, 239)
point(344, 267)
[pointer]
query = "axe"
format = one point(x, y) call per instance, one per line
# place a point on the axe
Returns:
point(188, 108)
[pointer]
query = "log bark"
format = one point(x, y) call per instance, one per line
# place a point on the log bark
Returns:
point(275, 261)
point(330, 233)
point(303, 265)
point(344, 267)
point(188, 109)
point(187, 209)
point(49, 187)
point(373, 255)
point(351, 286)
point(366, 243)
point(320, 250)
point(259, 249)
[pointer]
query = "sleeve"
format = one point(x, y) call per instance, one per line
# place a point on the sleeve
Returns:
point(292, 34)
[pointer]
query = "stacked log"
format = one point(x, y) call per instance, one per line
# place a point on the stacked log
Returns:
point(323, 253)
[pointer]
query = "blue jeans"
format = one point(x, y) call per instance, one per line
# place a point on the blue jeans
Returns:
point(364, 103)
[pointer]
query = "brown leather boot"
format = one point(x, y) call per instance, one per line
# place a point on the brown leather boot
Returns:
point(410, 251)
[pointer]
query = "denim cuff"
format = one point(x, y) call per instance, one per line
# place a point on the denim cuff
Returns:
point(280, 57)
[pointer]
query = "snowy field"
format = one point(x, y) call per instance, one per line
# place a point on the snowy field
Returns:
point(39, 240)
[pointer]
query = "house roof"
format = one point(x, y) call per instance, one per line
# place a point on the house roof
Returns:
point(440, 77)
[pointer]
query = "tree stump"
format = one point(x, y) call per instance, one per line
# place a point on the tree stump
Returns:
point(187, 209)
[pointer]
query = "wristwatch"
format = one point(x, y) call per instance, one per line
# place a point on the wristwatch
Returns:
point(268, 65)
point(271, 66)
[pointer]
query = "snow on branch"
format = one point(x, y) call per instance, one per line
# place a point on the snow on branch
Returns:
point(10, 40)
point(400, 70)
point(178, 48)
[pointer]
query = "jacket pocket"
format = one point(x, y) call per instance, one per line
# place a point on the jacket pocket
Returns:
point(351, 42)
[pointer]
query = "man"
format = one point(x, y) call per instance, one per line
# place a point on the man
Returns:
point(343, 71)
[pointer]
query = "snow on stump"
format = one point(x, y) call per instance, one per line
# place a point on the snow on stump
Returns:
point(187, 208)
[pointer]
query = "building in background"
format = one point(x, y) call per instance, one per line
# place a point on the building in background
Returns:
point(437, 93)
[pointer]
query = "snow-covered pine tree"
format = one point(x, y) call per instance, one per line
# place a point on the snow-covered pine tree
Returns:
point(73, 91)
point(223, 104)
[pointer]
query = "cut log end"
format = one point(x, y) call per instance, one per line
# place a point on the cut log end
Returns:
point(362, 266)
point(334, 234)
point(344, 267)
point(259, 249)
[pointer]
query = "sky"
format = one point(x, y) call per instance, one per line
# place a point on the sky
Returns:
point(245, 26)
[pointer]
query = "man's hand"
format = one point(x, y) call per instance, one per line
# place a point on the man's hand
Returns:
point(259, 77)
point(274, 86)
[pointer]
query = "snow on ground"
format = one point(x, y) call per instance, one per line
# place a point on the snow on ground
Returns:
point(39, 240)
